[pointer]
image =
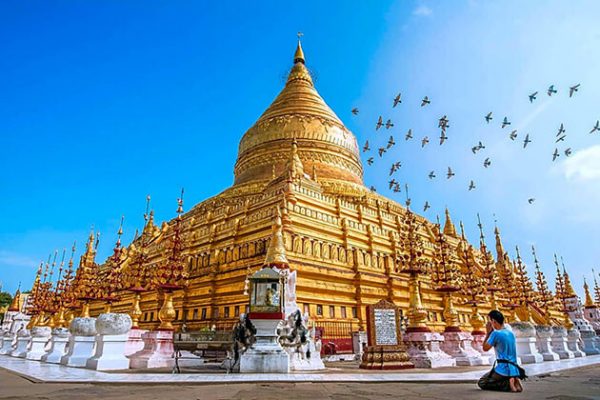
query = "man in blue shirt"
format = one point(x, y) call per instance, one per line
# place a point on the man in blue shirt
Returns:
point(505, 374)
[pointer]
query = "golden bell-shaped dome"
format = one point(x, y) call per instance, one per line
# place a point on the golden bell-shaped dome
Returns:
point(324, 144)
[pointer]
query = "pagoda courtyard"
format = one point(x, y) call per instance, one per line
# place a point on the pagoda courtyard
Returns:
point(297, 272)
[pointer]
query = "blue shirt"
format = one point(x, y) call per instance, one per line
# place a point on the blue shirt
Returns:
point(505, 345)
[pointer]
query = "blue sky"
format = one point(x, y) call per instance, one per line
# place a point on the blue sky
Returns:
point(102, 103)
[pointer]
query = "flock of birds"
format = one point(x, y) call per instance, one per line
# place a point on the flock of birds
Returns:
point(443, 125)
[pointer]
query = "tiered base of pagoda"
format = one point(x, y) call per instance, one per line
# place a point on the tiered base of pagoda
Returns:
point(386, 357)
point(266, 355)
point(560, 343)
point(573, 338)
point(135, 342)
point(57, 346)
point(20, 349)
point(544, 343)
point(40, 335)
point(424, 350)
point(157, 352)
point(526, 342)
point(459, 345)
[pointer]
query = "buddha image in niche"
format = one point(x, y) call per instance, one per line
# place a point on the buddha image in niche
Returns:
point(267, 294)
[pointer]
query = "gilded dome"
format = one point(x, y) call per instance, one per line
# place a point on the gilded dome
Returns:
point(324, 144)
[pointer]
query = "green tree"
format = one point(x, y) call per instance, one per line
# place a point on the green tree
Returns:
point(5, 299)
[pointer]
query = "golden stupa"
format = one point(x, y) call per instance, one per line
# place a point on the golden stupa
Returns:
point(299, 188)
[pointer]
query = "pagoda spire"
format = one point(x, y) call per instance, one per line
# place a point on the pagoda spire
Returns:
point(544, 296)
point(276, 254)
point(16, 301)
point(299, 54)
point(560, 283)
point(596, 288)
point(569, 291)
point(499, 247)
point(589, 302)
point(449, 228)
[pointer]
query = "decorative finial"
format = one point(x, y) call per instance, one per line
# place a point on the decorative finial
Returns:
point(462, 231)
point(299, 55)
point(146, 214)
point(276, 254)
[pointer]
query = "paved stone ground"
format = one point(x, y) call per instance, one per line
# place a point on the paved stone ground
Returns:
point(575, 384)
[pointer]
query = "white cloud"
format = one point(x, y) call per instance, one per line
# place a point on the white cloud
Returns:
point(422, 11)
point(12, 259)
point(584, 165)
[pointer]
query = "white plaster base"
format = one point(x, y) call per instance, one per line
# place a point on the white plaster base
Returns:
point(58, 345)
point(477, 344)
point(7, 345)
point(81, 348)
point(21, 347)
point(424, 350)
point(573, 342)
point(266, 355)
point(157, 352)
point(544, 343)
point(37, 349)
point(527, 351)
point(110, 353)
point(134, 341)
point(459, 346)
point(590, 346)
point(559, 346)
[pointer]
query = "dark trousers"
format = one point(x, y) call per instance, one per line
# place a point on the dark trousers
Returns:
point(494, 381)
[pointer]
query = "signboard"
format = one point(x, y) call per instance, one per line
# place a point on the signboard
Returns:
point(385, 327)
point(383, 324)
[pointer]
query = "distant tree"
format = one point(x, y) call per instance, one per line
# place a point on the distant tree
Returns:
point(5, 299)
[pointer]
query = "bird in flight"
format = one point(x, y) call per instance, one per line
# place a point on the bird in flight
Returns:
point(551, 90)
point(389, 124)
point(531, 200)
point(450, 173)
point(568, 152)
point(596, 127)
point(373, 189)
point(397, 188)
point(370, 161)
point(397, 99)
point(443, 123)
point(555, 155)
point(355, 111)
point(424, 141)
point(526, 141)
point(391, 183)
point(381, 151)
point(395, 167)
point(426, 206)
point(379, 123)
point(478, 147)
point(408, 135)
point(561, 139)
point(366, 146)
point(443, 137)
point(425, 101)
point(513, 135)
point(488, 117)
point(390, 142)
point(532, 97)
point(431, 175)
point(573, 89)
point(561, 130)
point(505, 122)
point(471, 185)
point(487, 162)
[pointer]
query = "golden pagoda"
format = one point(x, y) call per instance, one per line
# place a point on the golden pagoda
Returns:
point(347, 244)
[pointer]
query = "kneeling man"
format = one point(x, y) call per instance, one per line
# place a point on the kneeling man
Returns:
point(505, 376)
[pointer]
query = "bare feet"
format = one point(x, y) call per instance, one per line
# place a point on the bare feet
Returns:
point(511, 383)
point(518, 385)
